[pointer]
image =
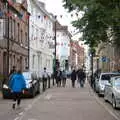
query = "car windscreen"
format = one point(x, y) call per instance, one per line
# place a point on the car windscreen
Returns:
point(108, 76)
point(117, 82)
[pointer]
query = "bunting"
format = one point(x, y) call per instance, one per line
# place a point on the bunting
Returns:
point(56, 16)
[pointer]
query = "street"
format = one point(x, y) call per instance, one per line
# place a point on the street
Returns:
point(61, 104)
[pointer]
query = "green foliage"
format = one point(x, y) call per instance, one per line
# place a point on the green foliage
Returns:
point(99, 16)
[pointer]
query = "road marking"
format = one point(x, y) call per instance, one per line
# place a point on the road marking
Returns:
point(28, 108)
point(17, 118)
point(21, 113)
point(106, 108)
point(48, 96)
point(32, 119)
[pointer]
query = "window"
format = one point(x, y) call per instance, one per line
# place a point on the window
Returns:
point(117, 82)
point(33, 61)
point(14, 31)
point(1, 28)
point(108, 76)
point(10, 27)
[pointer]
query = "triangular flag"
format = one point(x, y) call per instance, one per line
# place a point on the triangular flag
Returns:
point(61, 16)
point(77, 14)
point(71, 15)
point(45, 17)
point(55, 16)
point(39, 16)
point(10, 2)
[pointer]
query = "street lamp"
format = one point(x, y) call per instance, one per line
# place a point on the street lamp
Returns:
point(55, 49)
point(92, 53)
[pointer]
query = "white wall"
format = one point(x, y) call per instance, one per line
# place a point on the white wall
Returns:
point(41, 33)
point(63, 47)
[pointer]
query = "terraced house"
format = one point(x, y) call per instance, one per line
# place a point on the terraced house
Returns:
point(14, 35)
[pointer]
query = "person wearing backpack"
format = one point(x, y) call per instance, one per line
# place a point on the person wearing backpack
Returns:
point(17, 85)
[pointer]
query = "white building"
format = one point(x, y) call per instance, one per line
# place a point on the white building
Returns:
point(63, 38)
point(41, 37)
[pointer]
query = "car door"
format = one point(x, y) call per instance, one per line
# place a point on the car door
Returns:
point(97, 84)
point(110, 86)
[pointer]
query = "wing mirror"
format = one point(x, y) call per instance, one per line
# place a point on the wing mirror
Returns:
point(108, 84)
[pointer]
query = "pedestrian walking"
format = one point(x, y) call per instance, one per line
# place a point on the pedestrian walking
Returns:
point(73, 77)
point(81, 77)
point(45, 78)
point(17, 84)
point(13, 70)
point(64, 77)
point(58, 77)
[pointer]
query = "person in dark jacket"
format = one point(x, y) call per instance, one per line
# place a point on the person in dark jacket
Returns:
point(17, 84)
point(81, 77)
point(73, 78)
point(64, 77)
point(58, 77)
point(12, 71)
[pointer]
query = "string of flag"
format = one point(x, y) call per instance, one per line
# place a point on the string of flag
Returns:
point(57, 16)
point(10, 14)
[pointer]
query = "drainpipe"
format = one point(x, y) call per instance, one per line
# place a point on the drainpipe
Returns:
point(8, 42)
point(28, 43)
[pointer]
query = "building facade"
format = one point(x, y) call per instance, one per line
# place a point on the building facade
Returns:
point(108, 58)
point(14, 35)
point(41, 37)
point(63, 38)
point(77, 55)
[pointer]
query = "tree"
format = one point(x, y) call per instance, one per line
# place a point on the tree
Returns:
point(99, 17)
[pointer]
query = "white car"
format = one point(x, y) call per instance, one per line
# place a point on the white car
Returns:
point(102, 81)
point(112, 92)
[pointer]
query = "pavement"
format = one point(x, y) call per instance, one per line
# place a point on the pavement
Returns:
point(60, 104)
point(68, 104)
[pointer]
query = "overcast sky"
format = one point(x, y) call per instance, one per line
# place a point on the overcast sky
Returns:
point(56, 7)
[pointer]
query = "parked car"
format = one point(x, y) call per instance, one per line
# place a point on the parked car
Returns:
point(32, 86)
point(112, 92)
point(102, 80)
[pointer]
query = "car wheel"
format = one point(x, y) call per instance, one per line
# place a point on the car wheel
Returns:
point(113, 102)
point(99, 95)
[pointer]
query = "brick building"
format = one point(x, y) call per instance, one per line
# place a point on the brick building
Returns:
point(76, 55)
point(14, 32)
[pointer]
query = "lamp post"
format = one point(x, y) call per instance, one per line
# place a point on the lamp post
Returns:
point(92, 53)
point(55, 50)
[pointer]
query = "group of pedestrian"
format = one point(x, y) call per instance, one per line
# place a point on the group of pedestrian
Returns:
point(61, 77)
point(78, 75)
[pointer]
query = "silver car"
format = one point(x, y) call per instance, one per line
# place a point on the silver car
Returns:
point(103, 80)
point(112, 92)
